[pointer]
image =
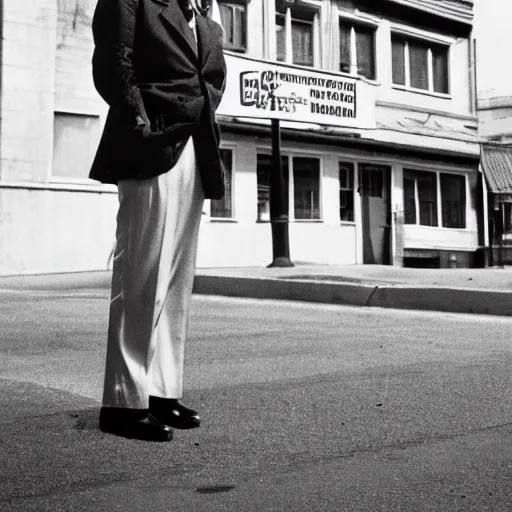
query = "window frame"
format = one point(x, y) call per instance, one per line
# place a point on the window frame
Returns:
point(464, 209)
point(349, 187)
point(237, 5)
point(439, 198)
point(353, 21)
point(289, 155)
point(291, 167)
point(268, 154)
point(417, 202)
point(430, 40)
point(300, 11)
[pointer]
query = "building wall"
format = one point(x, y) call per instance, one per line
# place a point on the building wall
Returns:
point(53, 219)
point(495, 118)
point(54, 230)
point(243, 241)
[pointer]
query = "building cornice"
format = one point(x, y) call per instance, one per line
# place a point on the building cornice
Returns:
point(459, 10)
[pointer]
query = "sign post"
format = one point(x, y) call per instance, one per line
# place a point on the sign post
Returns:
point(279, 203)
point(278, 92)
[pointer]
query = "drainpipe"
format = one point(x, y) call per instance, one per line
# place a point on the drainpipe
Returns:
point(473, 77)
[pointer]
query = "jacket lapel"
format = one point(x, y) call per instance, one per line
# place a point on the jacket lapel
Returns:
point(202, 38)
point(173, 16)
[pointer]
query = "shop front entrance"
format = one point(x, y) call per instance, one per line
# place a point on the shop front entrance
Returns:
point(375, 193)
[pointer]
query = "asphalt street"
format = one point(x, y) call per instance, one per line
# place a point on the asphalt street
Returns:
point(305, 407)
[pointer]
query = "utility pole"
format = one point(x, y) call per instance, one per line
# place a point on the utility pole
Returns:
point(279, 203)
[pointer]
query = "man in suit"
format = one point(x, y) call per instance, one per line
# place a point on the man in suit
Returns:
point(159, 65)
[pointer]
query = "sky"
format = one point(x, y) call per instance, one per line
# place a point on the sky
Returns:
point(493, 32)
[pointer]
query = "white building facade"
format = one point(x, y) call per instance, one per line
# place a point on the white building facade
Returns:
point(404, 191)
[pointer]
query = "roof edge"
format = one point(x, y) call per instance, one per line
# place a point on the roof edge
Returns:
point(459, 10)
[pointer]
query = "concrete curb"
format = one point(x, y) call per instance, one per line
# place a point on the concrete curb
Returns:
point(282, 289)
point(63, 281)
point(455, 300)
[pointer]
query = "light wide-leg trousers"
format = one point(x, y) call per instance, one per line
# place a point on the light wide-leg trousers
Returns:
point(154, 262)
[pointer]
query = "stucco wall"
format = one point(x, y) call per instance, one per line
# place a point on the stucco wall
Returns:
point(52, 230)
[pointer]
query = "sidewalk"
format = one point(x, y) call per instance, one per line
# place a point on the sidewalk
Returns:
point(483, 291)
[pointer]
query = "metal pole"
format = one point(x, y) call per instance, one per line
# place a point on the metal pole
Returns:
point(279, 203)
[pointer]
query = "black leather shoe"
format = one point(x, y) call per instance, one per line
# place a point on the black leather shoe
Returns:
point(133, 424)
point(173, 414)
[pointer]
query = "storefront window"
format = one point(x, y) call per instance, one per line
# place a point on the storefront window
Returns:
point(409, 198)
point(306, 181)
point(420, 198)
point(223, 207)
point(263, 170)
point(453, 196)
point(346, 174)
point(507, 220)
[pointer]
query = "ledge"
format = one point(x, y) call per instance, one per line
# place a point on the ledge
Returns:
point(60, 187)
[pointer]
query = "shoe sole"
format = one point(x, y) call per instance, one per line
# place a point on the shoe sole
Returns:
point(132, 435)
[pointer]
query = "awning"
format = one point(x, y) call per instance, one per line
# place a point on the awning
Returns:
point(496, 161)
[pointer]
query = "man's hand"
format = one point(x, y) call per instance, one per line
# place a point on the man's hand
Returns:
point(146, 131)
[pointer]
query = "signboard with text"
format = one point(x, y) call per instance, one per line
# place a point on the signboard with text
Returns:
point(265, 90)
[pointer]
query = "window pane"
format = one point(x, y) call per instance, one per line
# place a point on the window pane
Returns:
point(345, 60)
point(223, 207)
point(243, 27)
point(409, 200)
point(226, 16)
point(302, 42)
point(453, 196)
point(346, 172)
point(280, 38)
point(233, 20)
point(398, 57)
point(418, 62)
point(263, 166)
point(75, 140)
point(507, 212)
point(371, 179)
point(427, 197)
point(440, 68)
point(263, 170)
point(306, 180)
point(365, 47)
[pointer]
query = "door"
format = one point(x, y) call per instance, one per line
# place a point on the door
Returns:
point(375, 193)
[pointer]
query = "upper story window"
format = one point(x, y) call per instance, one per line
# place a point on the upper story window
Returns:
point(233, 14)
point(420, 64)
point(358, 58)
point(297, 38)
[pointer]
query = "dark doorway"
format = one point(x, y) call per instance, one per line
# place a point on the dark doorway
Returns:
point(375, 192)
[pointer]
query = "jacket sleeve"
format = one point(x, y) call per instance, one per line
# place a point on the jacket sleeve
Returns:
point(113, 29)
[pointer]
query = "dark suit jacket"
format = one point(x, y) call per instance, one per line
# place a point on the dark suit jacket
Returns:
point(147, 65)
